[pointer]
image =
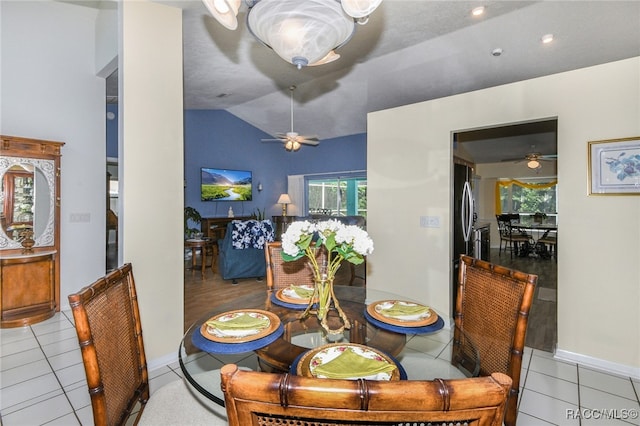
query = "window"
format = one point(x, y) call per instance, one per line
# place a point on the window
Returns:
point(527, 197)
point(337, 196)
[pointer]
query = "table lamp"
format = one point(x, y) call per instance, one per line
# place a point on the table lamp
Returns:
point(284, 200)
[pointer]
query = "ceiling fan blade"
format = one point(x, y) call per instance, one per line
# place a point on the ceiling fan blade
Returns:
point(309, 137)
point(271, 140)
point(309, 142)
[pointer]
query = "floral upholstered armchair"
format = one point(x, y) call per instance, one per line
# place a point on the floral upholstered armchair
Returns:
point(241, 251)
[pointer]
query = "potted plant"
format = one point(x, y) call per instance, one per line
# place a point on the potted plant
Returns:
point(258, 214)
point(191, 214)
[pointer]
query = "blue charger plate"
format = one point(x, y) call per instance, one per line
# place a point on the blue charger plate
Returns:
point(431, 328)
point(296, 306)
point(204, 344)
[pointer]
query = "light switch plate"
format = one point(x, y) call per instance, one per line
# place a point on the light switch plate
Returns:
point(429, 222)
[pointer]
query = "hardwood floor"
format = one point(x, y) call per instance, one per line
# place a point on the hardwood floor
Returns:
point(542, 330)
point(202, 295)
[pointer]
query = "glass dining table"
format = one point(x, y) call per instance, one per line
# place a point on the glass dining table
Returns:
point(539, 231)
point(421, 353)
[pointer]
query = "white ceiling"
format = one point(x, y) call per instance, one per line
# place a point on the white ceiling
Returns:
point(410, 51)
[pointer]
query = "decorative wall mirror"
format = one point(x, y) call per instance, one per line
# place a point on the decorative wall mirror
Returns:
point(29, 230)
point(28, 200)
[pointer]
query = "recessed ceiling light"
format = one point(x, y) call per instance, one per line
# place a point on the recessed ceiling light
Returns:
point(478, 11)
point(547, 38)
point(496, 52)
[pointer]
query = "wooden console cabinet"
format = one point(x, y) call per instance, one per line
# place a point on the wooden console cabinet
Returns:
point(215, 227)
point(27, 288)
point(29, 267)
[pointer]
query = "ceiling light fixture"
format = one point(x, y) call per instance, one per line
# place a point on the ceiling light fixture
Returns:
point(300, 32)
point(547, 38)
point(478, 11)
point(534, 164)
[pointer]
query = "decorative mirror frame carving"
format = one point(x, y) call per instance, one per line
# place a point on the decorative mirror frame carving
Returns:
point(48, 169)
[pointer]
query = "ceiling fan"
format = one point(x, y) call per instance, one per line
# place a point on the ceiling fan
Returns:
point(534, 159)
point(292, 140)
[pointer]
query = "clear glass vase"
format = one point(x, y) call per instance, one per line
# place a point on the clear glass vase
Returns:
point(323, 301)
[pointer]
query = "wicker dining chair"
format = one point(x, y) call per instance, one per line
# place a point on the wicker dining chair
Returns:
point(258, 398)
point(492, 309)
point(281, 274)
point(109, 331)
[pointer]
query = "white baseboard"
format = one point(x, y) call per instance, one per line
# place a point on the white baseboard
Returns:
point(598, 364)
point(162, 361)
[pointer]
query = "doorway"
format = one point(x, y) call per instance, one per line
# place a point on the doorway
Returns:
point(112, 178)
point(499, 154)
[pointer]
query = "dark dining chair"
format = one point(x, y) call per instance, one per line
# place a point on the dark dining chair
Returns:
point(259, 398)
point(491, 313)
point(550, 241)
point(109, 331)
point(513, 239)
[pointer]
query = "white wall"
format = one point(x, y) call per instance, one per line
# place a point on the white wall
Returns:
point(598, 272)
point(50, 91)
point(151, 137)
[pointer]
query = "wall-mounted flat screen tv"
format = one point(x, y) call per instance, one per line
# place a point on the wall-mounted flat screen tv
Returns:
point(225, 185)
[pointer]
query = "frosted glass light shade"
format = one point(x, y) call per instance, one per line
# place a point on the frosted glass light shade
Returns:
point(300, 32)
point(360, 8)
point(225, 11)
point(331, 56)
point(533, 164)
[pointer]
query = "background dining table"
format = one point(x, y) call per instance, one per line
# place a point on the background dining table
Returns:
point(423, 353)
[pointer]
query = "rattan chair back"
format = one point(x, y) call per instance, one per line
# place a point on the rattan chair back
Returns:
point(281, 274)
point(110, 334)
point(492, 309)
point(258, 398)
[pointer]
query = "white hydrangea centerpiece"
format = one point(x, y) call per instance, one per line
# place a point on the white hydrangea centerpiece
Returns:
point(339, 242)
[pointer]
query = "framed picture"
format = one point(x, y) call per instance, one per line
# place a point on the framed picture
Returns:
point(614, 167)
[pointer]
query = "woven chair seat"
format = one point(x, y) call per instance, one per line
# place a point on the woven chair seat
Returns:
point(175, 404)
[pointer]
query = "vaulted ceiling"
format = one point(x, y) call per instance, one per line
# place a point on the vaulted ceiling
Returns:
point(410, 51)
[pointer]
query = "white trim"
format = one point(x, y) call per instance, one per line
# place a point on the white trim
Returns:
point(598, 364)
point(163, 361)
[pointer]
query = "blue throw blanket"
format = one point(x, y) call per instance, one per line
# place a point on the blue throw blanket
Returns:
point(251, 234)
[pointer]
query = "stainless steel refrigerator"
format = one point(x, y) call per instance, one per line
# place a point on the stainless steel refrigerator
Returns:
point(464, 218)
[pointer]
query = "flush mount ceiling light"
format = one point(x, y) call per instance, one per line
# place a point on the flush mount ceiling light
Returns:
point(301, 32)
point(534, 164)
point(547, 38)
point(477, 11)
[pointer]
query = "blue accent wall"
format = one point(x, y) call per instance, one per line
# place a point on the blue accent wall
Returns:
point(217, 138)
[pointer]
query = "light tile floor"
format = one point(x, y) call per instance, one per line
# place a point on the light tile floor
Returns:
point(42, 382)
